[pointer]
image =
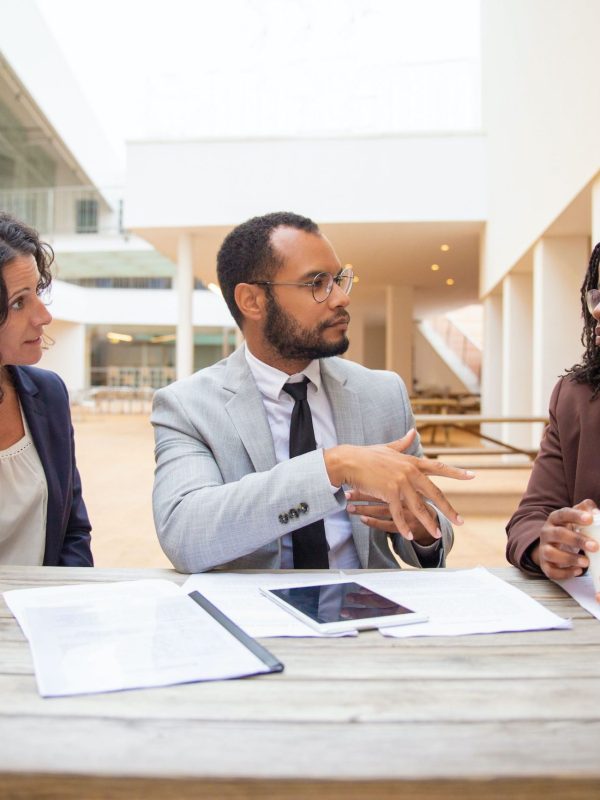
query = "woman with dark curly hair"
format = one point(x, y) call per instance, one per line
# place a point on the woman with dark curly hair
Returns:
point(43, 519)
point(547, 532)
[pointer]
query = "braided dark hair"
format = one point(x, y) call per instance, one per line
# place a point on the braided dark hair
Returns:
point(588, 371)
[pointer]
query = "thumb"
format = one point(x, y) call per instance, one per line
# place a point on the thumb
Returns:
point(400, 445)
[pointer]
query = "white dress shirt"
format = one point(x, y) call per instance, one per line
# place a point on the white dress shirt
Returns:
point(278, 405)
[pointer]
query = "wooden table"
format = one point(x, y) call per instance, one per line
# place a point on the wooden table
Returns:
point(513, 715)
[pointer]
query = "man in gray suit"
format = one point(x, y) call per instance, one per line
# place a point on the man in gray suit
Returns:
point(262, 458)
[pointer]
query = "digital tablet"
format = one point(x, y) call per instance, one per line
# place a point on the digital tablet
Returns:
point(339, 607)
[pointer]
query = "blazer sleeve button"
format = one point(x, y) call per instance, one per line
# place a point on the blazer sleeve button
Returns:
point(303, 508)
point(293, 513)
point(284, 519)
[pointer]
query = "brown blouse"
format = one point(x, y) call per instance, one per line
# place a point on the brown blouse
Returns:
point(566, 470)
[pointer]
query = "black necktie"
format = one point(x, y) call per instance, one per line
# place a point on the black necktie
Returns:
point(309, 543)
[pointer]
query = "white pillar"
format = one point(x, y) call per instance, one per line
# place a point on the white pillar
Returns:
point(356, 333)
point(595, 212)
point(491, 366)
point(184, 285)
point(559, 265)
point(517, 302)
point(67, 356)
point(399, 332)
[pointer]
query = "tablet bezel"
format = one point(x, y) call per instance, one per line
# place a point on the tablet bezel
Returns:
point(342, 626)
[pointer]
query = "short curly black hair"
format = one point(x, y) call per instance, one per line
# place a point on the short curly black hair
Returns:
point(247, 255)
point(18, 239)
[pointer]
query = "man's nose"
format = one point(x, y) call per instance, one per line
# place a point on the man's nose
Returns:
point(337, 298)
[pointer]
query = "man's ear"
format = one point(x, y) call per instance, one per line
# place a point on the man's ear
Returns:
point(250, 300)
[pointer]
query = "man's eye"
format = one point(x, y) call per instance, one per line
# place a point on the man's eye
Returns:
point(320, 281)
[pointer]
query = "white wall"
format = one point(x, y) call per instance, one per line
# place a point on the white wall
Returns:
point(68, 355)
point(28, 46)
point(429, 370)
point(541, 108)
point(396, 178)
point(133, 306)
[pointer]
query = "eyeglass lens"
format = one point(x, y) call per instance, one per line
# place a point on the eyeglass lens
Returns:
point(323, 284)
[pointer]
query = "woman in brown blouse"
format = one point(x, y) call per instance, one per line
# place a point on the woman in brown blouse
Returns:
point(564, 487)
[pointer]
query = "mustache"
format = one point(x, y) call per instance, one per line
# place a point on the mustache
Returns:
point(341, 316)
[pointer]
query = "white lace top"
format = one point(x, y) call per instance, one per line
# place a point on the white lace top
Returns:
point(23, 503)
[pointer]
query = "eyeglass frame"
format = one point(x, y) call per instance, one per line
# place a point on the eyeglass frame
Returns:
point(345, 273)
point(591, 307)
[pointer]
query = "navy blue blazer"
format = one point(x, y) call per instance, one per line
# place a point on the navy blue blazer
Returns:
point(45, 404)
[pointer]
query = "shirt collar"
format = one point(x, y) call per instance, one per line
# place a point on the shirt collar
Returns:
point(270, 381)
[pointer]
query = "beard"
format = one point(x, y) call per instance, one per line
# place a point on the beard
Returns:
point(292, 341)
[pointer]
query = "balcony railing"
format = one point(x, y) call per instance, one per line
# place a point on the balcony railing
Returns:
point(66, 210)
point(132, 377)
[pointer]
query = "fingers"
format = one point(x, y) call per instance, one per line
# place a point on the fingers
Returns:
point(400, 445)
point(431, 466)
point(574, 516)
point(562, 529)
point(438, 498)
point(559, 565)
point(356, 496)
point(387, 525)
point(586, 505)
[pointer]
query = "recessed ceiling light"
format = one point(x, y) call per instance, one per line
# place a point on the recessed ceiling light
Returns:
point(115, 338)
point(435, 267)
point(449, 281)
point(444, 248)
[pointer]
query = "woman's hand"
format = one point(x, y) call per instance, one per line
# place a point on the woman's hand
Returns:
point(558, 553)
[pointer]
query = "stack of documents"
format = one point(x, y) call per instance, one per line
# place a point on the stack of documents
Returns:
point(457, 602)
point(105, 637)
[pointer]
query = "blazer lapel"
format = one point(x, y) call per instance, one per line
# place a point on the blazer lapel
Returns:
point(345, 405)
point(347, 417)
point(247, 412)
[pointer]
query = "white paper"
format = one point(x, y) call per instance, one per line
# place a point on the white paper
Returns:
point(237, 595)
point(106, 637)
point(582, 590)
point(460, 602)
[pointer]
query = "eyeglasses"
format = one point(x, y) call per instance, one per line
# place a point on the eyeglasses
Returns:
point(592, 298)
point(321, 284)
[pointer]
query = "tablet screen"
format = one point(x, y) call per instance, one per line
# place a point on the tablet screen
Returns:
point(339, 602)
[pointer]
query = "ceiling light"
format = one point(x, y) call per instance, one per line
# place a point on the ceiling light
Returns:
point(355, 279)
point(119, 337)
point(449, 281)
point(444, 248)
point(435, 267)
point(165, 337)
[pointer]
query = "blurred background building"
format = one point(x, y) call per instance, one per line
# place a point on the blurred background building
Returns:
point(465, 192)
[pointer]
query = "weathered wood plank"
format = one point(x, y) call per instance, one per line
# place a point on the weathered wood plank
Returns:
point(69, 787)
point(347, 659)
point(170, 748)
point(275, 700)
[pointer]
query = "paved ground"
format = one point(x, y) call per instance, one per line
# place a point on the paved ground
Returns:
point(116, 461)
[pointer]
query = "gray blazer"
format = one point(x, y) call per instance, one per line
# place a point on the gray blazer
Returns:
point(218, 491)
